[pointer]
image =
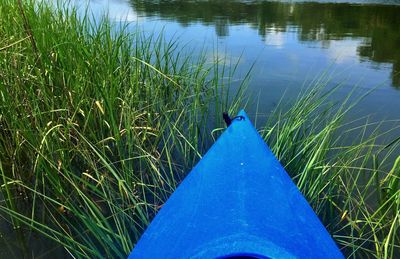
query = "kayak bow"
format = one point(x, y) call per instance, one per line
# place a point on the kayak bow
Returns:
point(238, 201)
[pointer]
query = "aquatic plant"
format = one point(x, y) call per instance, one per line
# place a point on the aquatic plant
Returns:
point(99, 124)
point(347, 170)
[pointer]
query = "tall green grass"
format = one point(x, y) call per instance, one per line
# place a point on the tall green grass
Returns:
point(98, 125)
point(348, 171)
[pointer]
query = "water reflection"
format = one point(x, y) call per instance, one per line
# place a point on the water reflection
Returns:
point(375, 28)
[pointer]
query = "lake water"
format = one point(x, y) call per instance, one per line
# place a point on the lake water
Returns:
point(289, 43)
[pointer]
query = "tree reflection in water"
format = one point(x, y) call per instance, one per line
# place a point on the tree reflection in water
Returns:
point(377, 25)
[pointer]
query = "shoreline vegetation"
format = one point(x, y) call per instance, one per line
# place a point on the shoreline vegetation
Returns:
point(98, 125)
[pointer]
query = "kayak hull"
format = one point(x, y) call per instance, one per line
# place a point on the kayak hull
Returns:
point(237, 201)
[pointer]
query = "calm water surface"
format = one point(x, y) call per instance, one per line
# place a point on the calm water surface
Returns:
point(358, 42)
point(289, 43)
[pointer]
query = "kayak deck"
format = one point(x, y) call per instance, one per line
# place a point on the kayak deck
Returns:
point(237, 201)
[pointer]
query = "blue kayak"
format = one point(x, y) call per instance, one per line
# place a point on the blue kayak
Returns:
point(237, 202)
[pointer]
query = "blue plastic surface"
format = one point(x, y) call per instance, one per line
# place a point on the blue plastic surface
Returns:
point(238, 200)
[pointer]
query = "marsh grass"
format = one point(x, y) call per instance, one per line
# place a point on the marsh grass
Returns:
point(343, 168)
point(98, 125)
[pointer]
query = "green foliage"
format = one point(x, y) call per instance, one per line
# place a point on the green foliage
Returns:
point(98, 125)
point(342, 169)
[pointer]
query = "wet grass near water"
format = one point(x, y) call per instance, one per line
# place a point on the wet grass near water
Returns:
point(99, 124)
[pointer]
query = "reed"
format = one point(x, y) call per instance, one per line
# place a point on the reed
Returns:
point(347, 170)
point(99, 124)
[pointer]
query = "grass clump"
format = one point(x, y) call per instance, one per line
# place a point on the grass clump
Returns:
point(348, 171)
point(98, 125)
